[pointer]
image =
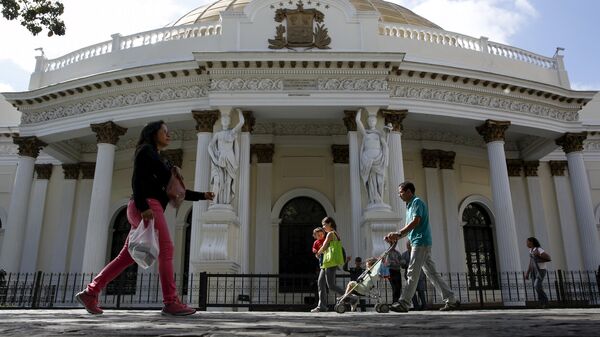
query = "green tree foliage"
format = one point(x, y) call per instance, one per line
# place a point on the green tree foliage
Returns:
point(35, 15)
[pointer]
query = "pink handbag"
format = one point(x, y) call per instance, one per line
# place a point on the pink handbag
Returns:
point(176, 188)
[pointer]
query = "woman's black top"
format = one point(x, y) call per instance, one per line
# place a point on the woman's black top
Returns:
point(150, 178)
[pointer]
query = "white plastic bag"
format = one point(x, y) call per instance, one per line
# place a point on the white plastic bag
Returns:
point(143, 244)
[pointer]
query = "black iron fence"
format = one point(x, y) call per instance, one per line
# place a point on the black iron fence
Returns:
point(276, 292)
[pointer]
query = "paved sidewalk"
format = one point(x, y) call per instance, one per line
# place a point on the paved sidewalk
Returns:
point(522, 323)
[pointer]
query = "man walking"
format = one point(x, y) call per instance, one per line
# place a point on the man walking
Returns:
point(419, 233)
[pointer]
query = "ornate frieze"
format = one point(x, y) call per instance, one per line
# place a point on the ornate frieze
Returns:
point(352, 84)
point(430, 158)
point(531, 168)
point(71, 171)
point(205, 119)
point(294, 128)
point(249, 121)
point(492, 131)
point(116, 101)
point(43, 171)
point(350, 120)
point(442, 136)
point(175, 156)
point(87, 170)
point(557, 167)
point(277, 84)
point(514, 167)
point(341, 154)
point(394, 118)
point(29, 146)
point(264, 152)
point(108, 132)
point(482, 100)
point(447, 160)
point(572, 142)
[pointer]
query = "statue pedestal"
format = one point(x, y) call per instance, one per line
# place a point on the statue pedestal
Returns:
point(375, 224)
point(220, 246)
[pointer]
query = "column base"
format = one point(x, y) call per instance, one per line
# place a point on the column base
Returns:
point(220, 246)
point(374, 226)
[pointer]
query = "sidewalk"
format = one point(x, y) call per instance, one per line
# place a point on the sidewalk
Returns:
point(549, 322)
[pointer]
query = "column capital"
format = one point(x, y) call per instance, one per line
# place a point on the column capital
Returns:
point(557, 167)
point(514, 167)
point(350, 120)
point(71, 171)
point(571, 142)
point(29, 146)
point(88, 169)
point(43, 171)
point(531, 168)
point(175, 156)
point(394, 117)
point(493, 130)
point(430, 158)
point(341, 154)
point(249, 121)
point(264, 152)
point(205, 119)
point(108, 132)
point(447, 160)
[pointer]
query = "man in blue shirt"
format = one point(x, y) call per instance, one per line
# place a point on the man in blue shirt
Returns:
point(419, 234)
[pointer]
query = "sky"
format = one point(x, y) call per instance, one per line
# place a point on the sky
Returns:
point(538, 26)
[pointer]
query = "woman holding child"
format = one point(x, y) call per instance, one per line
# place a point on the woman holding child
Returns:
point(333, 257)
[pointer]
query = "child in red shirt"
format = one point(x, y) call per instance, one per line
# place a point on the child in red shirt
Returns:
point(319, 235)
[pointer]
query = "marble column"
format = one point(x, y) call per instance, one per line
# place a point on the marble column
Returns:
point(244, 191)
point(506, 235)
point(430, 160)
point(520, 206)
point(80, 217)
point(396, 163)
point(455, 238)
point(98, 226)
point(341, 175)
point(35, 218)
point(358, 244)
point(14, 235)
point(174, 156)
point(572, 144)
point(566, 214)
point(205, 121)
point(536, 204)
point(264, 237)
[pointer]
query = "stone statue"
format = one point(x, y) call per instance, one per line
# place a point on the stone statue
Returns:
point(225, 157)
point(374, 158)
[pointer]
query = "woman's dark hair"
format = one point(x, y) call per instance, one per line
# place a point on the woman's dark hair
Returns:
point(329, 220)
point(534, 242)
point(148, 134)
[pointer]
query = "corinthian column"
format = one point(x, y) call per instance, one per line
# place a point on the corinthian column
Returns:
point(536, 205)
point(572, 144)
point(264, 237)
point(10, 256)
point(355, 198)
point(396, 165)
point(94, 256)
point(174, 156)
point(244, 190)
point(82, 212)
point(456, 241)
point(506, 235)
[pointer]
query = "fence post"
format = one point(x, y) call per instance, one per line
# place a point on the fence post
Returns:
point(203, 291)
point(35, 300)
point(561, 287)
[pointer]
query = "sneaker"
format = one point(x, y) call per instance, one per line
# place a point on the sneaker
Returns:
point(450, 306)
point(397, 307)
point(90, 302)
point(317, 309)
point(177, 309)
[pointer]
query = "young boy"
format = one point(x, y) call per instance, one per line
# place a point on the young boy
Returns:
point(319, 236)
point(353, 289)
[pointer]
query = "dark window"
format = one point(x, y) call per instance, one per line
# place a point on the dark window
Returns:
point(298, 219)
point(125, 283)
point(479, 248)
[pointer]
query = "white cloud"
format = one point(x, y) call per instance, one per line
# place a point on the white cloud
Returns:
point(5, 87)
point(585, 86)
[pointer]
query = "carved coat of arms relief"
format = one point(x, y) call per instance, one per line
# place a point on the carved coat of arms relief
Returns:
point(303, 28)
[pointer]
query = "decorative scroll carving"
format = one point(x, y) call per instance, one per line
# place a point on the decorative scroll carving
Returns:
point(71, 171)
point(350, 120)
point(29, 146)
point(430, 158)
point(447, 160)
point(531, 168)
point(557, 167)
point(174, 156)
point(254, 84)
point(514, 167)
point(341, 154)
point(394, 117)
point(572, 142)
point(249, 121)
point(352, 84)
point(493, 130)
point(108, 132)
point(277, 84)
point(205, 119)
point(264, 152)
point(43, 171)
point(504, 104)
point(87, 170)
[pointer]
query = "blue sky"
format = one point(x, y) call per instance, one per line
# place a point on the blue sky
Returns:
point(535, 25)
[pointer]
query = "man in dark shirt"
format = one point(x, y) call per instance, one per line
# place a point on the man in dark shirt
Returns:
point(355, 272)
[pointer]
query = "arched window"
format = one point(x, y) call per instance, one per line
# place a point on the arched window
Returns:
point(124, 284)
point(298, 217)
point(479, 248)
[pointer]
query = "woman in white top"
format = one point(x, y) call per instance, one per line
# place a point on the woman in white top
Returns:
point(537, 268)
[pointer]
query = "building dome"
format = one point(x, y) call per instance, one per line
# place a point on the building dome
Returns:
point(389, 12)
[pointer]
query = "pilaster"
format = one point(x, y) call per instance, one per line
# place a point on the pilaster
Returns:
point(265, 236)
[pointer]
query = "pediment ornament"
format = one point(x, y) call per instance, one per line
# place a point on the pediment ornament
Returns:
point(303, 28)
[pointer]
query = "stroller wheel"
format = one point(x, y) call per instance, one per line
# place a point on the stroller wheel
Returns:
point(340, 308)
point(384, 308)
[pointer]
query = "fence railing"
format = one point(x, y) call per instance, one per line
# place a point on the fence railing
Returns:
point(287, 292)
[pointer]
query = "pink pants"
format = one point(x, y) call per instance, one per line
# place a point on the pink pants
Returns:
point(124, 260)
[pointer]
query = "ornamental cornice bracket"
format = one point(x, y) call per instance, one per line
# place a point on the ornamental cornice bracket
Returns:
point(108, 132)
point(71, 171)
point(29, 146)
point(558, 167)
point(531, 168)
point(249, 121)
point(205, 119)
point(395, 118)
point(492, 130)
point(447, 159)
point(514, 167)
point(572, 142)
point(430, 158)
point(350, 120)
point(264, 152)
point(43, 171)
point(341, 154)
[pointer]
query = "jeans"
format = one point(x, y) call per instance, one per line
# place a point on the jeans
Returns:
point(420, 258)
point(538, 282)
point(396, 283)
point(124, 260)
point(327, 280)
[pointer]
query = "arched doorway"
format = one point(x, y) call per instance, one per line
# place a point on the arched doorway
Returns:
point(479, 248)
point(298, 217)
point(124, 284)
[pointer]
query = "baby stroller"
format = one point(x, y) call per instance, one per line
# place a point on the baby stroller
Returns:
point(366, 285)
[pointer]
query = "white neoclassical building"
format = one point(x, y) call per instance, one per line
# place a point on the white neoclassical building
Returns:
point(491, 135)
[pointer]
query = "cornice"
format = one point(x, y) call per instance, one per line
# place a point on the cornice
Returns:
point(321, 84)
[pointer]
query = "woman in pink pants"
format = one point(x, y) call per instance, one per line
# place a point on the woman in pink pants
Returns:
point(150, 178)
